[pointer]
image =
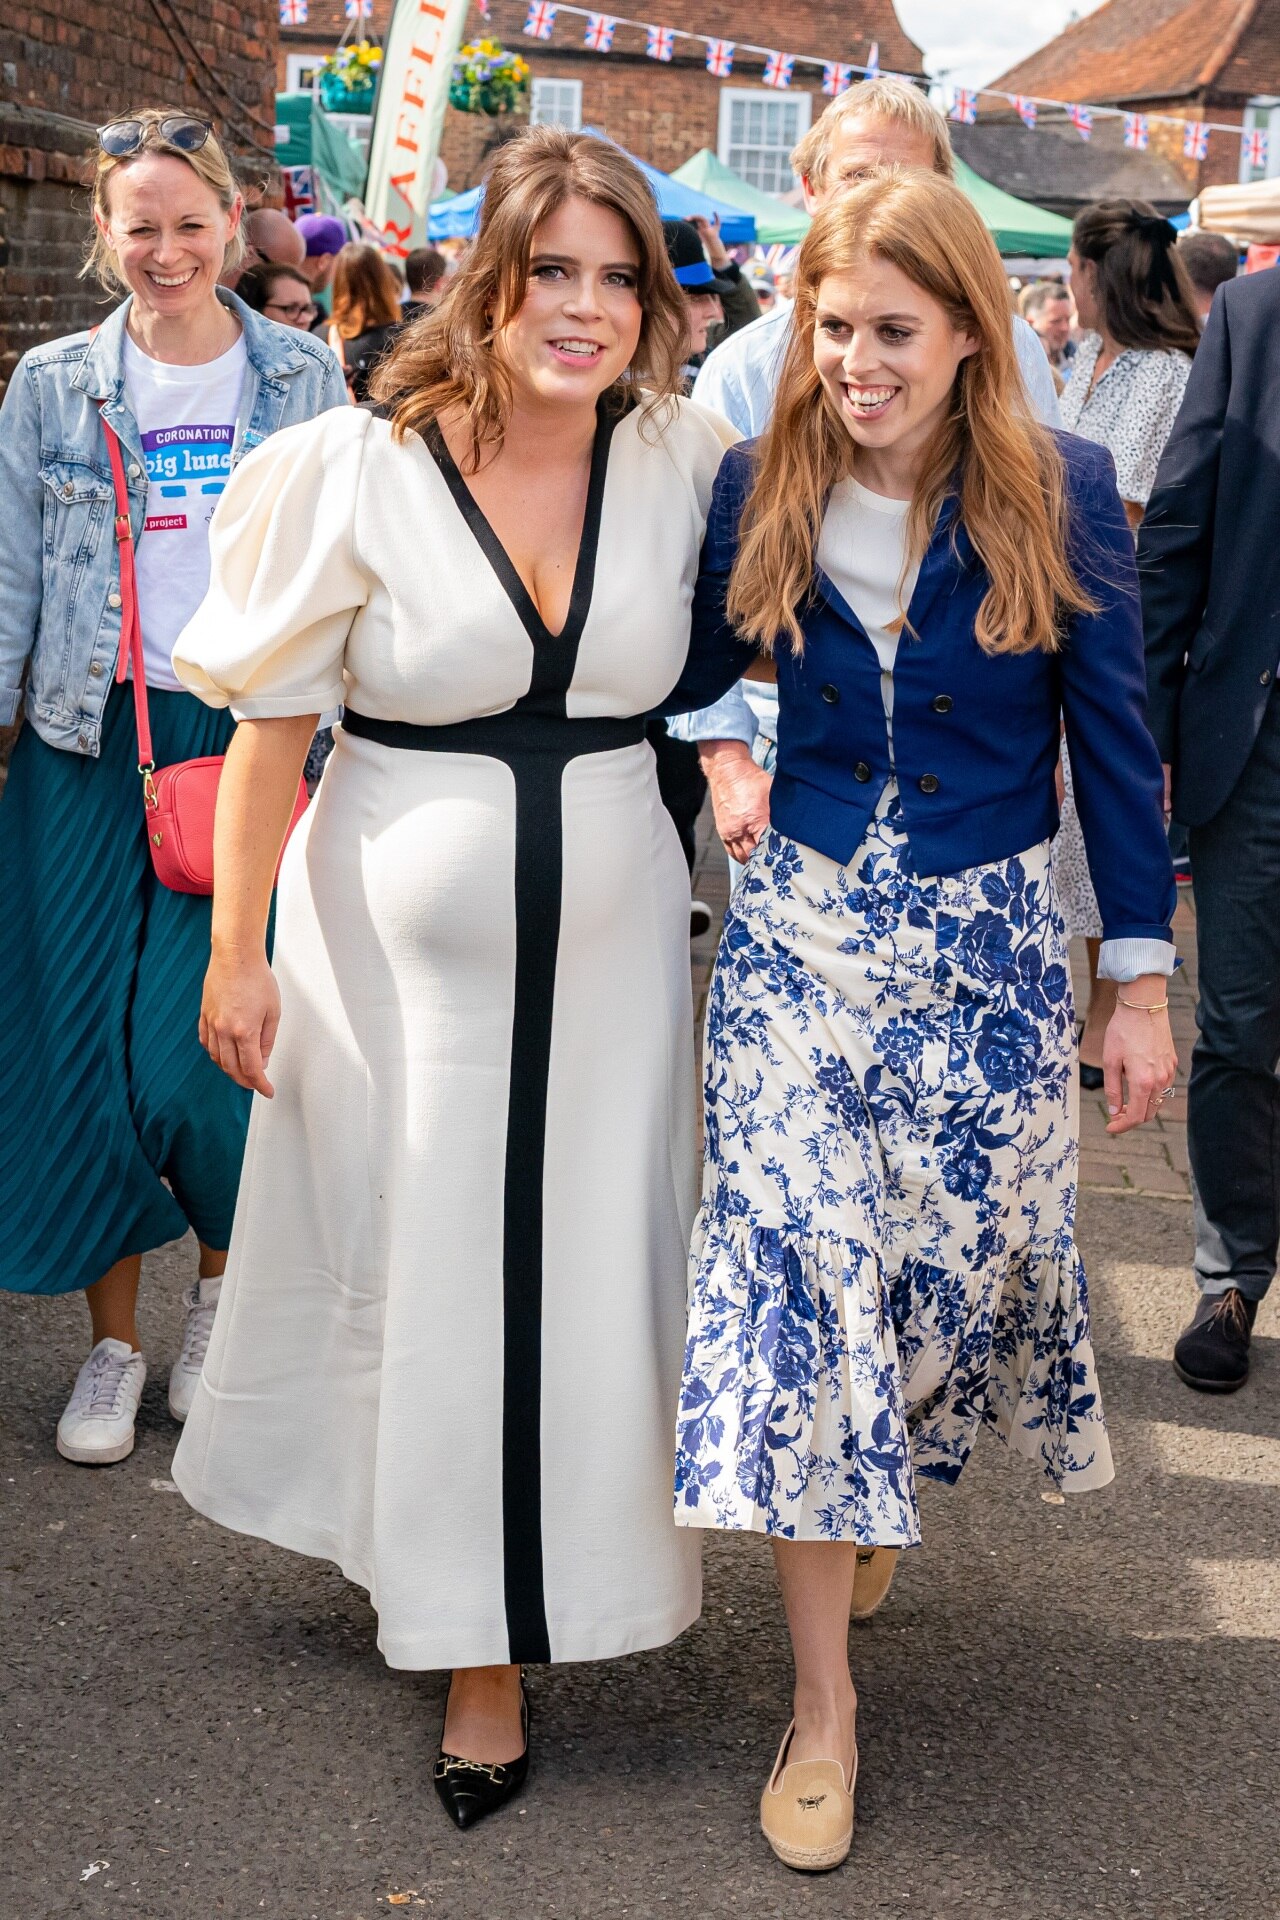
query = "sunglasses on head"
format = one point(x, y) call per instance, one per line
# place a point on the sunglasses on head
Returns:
point(180, 130)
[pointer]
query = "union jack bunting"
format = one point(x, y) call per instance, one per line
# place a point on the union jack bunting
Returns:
point(872, 69)
point(540, 20)
point(293, 13)
point(1136, 132)
point(1255, 148)
point(778, 69)
point(1025, 109)
point(1081, 119)
point(836, 77)
point(358, 9)
point(720, 58)
point(599, 33)
point(1195, 140)
point(660, 43)
point(964, 106)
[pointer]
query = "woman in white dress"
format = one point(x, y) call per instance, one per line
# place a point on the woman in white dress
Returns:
point(448, 1346)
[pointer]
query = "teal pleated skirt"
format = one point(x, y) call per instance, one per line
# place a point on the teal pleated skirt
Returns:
point(117, 1132)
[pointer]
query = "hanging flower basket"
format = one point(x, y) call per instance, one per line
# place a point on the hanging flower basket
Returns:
point(488, 79)
point(349, 78)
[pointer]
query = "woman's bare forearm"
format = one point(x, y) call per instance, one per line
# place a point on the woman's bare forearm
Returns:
point(255, 803)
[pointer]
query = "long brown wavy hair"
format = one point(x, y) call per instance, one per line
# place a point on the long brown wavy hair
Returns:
point(1005, 469)
point(365, 293)
point(1143, 283)
point(449, 358)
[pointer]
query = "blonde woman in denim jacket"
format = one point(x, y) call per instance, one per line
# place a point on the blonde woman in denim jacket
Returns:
point(117, 1134)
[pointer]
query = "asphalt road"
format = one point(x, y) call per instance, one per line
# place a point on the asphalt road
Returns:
point(1065, 1710)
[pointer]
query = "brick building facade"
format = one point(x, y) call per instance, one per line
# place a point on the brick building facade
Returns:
point(63, 71)
point(1215, 60)
point(666, 111)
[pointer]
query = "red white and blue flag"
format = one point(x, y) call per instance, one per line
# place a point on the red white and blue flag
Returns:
point(299, 189)
point(964, 106)
point(358, 9)
point(599, 33)
point(1195, 140)
point(293, 13)
point(720, 58)
point(872, 69)
point(1255, 148)
point(778, 69)
point(836, 76)
point(1081, 119)
point(540, 20)
point(1025, 109)
point(1137, 132)
point(660, 43)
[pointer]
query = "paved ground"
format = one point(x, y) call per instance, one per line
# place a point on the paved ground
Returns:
point(1067, 1711)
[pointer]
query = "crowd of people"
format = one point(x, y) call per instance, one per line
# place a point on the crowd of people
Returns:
point(610, 514)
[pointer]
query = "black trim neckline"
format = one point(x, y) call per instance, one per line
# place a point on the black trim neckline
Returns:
point(584, 573)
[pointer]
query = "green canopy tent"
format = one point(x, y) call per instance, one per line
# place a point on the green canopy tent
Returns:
point(1015, 225)
point(775, 220)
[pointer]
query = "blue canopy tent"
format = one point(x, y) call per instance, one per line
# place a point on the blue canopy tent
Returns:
point(458, 219)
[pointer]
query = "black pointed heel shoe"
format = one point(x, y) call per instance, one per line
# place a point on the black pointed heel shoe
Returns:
point(1092, 1079)
point(470, 1790)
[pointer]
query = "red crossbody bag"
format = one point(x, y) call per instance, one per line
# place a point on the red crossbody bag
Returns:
point(178, 801)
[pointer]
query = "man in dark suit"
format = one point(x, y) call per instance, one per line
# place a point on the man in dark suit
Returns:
point(1209, 559)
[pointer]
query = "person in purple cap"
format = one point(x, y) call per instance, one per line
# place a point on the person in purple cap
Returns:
point(325, 237)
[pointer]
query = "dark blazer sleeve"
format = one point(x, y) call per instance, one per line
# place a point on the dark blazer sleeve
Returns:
point(717, 659)
point(1115, 768)
point(1176, 537)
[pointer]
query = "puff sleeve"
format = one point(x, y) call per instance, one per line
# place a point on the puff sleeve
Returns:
point(284, 582)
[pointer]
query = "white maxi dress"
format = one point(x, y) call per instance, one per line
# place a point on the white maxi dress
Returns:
point(447, 1350)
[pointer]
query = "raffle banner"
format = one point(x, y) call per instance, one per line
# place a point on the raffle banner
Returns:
point(412, 93)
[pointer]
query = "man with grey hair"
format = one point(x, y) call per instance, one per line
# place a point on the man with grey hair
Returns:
point(875, 123)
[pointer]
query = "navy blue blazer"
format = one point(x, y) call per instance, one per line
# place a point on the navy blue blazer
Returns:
point(975, 735)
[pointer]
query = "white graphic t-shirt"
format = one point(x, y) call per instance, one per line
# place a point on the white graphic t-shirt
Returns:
point(187, 419)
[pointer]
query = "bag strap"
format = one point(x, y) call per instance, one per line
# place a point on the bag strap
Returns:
point(130, 621)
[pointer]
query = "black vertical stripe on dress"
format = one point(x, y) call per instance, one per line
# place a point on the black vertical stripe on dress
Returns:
point(538, 772)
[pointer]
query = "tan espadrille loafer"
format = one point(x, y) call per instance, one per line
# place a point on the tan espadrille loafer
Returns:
point(806, 1811)
point(873, 1576)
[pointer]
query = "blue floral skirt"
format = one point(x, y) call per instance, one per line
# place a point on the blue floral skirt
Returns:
point(884, 1257)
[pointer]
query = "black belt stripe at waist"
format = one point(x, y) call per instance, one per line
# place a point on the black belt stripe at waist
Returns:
point(500, 735)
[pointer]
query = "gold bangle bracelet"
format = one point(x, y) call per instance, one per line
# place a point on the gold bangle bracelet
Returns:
point(1140, 1006)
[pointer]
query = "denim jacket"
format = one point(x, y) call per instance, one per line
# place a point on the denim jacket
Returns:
point(59, 574)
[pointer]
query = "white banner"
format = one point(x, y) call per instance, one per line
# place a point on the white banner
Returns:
point(413, 92)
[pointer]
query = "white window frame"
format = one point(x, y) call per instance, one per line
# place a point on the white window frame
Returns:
point(565, 91)
point(731, 97)
point(297, 67)
point(1263, 114)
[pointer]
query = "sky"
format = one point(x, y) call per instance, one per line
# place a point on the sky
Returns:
point(973, 43)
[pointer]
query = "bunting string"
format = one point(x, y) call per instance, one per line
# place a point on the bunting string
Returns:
point(962, 102)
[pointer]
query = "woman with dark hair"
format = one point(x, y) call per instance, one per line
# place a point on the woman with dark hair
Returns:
point(279, 292)
point(450, 1335)
point(1137, 311)
point(366, 315)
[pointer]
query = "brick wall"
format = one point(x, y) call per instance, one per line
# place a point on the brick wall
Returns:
point(664, 112)
point(65, 69)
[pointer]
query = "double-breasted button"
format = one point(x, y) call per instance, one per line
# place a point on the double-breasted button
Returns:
point(929, 783)
point(113, 598)
point(830, 694)
point(942, 703)
point(1265, 676)
point(862, 771)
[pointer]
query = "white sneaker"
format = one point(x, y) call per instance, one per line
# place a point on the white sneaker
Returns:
point(97, 1426)
point(201, 1302)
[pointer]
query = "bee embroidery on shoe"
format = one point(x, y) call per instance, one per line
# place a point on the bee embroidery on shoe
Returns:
point(811, 1801)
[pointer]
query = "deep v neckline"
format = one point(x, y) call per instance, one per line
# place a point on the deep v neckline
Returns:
point(508, 574)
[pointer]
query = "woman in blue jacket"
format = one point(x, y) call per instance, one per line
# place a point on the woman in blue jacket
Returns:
point(117, 1133)
point(884, 1260)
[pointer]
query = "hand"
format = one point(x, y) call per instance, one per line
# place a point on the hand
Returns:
point(709, 234)
point(1168, 793)
point(239, 1017)
point(1138, 1058)
point(739, 795)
